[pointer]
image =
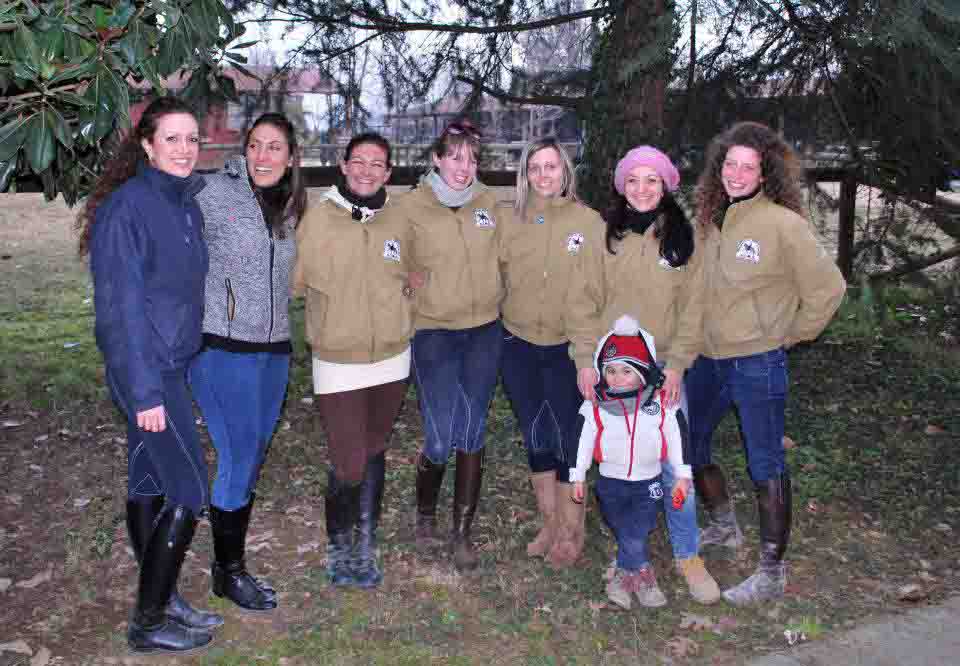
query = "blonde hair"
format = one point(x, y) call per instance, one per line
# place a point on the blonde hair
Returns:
point(568, 187)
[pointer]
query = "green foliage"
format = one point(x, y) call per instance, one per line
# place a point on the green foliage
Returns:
point(68, 71)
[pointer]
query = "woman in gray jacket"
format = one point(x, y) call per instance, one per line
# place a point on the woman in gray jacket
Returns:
point(239, 379)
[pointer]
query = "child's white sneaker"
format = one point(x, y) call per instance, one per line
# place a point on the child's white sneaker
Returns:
point(619, 588)
point(646, 590)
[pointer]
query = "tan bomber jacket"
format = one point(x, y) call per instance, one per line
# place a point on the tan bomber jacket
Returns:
point(769, 282)
point(457, 250)
point(537, 258)
point(637, 281)
point(352, 276)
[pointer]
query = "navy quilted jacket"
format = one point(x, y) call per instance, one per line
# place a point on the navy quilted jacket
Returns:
point(149, 261)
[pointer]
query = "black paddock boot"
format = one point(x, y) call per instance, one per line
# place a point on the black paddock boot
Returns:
point(366, 573)
point(231, 579)
point(151, 630)
point(774, 505)
point(466, 495)
point(140, 519)
point(721, 528)
point(342, 510)
point(429, 480)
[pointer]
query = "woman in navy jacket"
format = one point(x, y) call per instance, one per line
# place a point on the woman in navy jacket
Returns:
point(141, 228)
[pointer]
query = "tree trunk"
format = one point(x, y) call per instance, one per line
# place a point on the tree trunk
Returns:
point(846, 224)
point(627, 108)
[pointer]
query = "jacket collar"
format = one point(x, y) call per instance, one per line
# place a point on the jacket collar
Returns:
point(173, 186)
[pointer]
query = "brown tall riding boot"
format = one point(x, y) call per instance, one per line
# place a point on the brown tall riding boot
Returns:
point(429, 480)
point(774, 504)
point(571, 517)
point(721, 528)
point(545, 488)
point(466, 495)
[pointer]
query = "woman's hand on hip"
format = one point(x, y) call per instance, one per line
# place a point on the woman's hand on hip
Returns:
point(153, 419)
point(587, 378)
point(672, 384)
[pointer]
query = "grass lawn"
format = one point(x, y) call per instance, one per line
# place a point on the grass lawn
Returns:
point(873, 417)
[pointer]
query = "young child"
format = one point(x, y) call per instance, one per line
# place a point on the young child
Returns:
point(628, 432)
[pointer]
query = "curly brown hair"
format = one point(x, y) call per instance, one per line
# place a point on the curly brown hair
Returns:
point(123, 163)
point(779, 166)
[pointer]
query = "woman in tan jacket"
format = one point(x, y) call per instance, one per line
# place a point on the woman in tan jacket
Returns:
point(456, 349)
point(352, 266)
point(649, 268)
point(540, 244)
point(769, 285)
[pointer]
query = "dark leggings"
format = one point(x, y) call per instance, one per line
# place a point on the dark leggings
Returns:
point(358, 425)
point(171, 462)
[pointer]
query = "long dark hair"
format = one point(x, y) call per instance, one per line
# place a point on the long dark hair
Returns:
point(670, 226)
point(123, 164)
point(290, 195)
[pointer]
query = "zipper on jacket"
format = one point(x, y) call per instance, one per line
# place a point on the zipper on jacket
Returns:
point(231, 304)
point(270, 330)
point(466, 252)
point(366, 272)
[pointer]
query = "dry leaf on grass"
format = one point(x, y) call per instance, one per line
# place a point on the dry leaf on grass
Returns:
point(681, 647)
point(42, 577)
point(911, 592)
point(725, 624)
point(19, 646)
point(695, 622)
point(788, 443)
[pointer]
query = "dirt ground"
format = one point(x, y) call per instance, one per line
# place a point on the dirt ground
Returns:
point(67, 576)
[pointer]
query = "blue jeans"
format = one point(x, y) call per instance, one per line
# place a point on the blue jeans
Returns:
point(630, 509)
point(170, 462)
point(240, 396)
point(541, 382)
point(456, 373)
point(757, 386)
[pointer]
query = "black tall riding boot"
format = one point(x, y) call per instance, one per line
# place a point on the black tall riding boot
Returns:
point(229, 569)
point(774, 505)
point(366, 572)
point(141, 517)
point(721, 528)
point(429, 480)
point(466, 495)
point(151, 630)
point(342, 509)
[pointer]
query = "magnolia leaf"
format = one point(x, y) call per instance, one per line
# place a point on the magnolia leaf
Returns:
point(121, 14)
point(60, 128)
point(26, 46)
point(40, 146)
point(6, 172)
point(12, 136)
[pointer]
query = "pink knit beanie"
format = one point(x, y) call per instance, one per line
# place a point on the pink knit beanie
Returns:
point(647, 156)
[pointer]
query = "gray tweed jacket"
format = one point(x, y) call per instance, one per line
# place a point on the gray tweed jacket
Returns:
point(248, 284)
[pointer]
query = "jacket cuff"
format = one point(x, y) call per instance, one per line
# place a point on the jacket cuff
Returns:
point(576, 476)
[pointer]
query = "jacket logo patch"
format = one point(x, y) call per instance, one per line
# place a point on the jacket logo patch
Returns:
point(652, 409)
point(748, 250)
point(611, 351)
point(391, 250)
point(574, 242)
point(540, 220)
point(656, 490)
point(483, 218)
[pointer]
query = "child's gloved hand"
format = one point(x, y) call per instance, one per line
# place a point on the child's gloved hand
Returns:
point(579, 491)
point(681, 487)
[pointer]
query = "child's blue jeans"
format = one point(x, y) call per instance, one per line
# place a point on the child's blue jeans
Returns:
point(630, 509)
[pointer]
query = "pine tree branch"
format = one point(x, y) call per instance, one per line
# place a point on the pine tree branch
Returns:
point(916, 265)
point(576, 103)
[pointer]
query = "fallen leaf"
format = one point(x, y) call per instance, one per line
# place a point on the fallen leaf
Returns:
point(788, 443)
point(793, 637)
point(681, 647)
point(81, 502)
point(41, 658)
point(942, 527)
point(19, 646)
point(695, 622)
point(257, 547)
point(813, 506)
point(725, 624)
point(306, 401)
point(12, 424)
point(932, 429)
point(5, 584)
point(42, 577)
point(263, 536)
point(596, 606)
point(41, 438)
point(307, 547)
point(70, 345)
point(911, 592)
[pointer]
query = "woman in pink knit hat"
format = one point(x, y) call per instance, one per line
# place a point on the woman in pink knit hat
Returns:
point(650, 269)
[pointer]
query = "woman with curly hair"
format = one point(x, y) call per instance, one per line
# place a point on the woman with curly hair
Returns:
point(142, 230)
point(649, 268)
point(769, 285)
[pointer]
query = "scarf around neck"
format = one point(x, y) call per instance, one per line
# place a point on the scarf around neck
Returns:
point(448, 196)
point(361, 209)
